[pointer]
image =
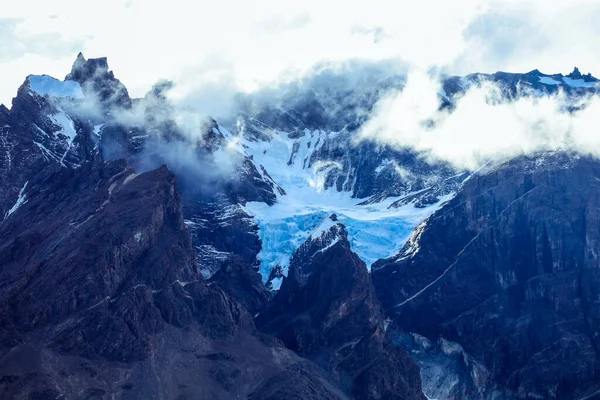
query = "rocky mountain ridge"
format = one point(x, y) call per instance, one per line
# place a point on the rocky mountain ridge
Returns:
point(506, 270)
point(279, 258)
point(103, 258)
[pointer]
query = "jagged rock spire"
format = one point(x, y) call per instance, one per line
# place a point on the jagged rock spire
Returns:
point(575, 74)
point(94, 76)
point(84, 70)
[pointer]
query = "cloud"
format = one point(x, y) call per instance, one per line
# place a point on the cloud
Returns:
point(278, 23)
point(516, 36)
point(214, 50)
point(23, 52)
point(174, 135)
point(483, 125)
point(16, 42)
point(378, 33)
point(252, 44)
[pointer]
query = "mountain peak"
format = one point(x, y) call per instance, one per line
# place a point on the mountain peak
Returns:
point(534, 72)
point(94, 76)
point(575, 74)
point(84, 70)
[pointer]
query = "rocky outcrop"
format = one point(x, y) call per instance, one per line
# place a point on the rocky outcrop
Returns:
point(448, 372)
point(242, 282)
point(127, 248)
point(508, 270)
point(97, 80)
point(326, 310)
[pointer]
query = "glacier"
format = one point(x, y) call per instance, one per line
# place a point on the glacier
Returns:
point(375, 231)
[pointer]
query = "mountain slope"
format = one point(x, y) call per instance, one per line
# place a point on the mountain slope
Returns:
point(101, 292)
point(101, 296)
point(508, 269)
point(326, 310)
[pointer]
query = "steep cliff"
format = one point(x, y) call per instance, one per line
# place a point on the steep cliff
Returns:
point(326, 310)
point(509, 270)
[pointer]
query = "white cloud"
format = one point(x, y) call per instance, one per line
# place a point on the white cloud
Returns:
point(250, 43)
point(233, 44)
point(518, 36)
point(483, 125)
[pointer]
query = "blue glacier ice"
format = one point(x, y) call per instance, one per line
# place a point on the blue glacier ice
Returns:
point(375, 231)
point(373, 240)
point(370, 239)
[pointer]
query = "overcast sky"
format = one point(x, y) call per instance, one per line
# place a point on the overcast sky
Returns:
point(245, 44)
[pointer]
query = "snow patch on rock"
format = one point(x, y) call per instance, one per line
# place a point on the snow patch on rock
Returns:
point(22, 199)
point(67, 127)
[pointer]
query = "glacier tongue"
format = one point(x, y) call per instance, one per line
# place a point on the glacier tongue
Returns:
point(375, 231)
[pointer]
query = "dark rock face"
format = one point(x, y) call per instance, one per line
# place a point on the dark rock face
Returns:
point(375, 172)
point(58, 240)
point(101, 297)
point(221, 231)
point(247, 183)
point(243, 283)
point(508, 269)
point(326, 310)
point(101, 292)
